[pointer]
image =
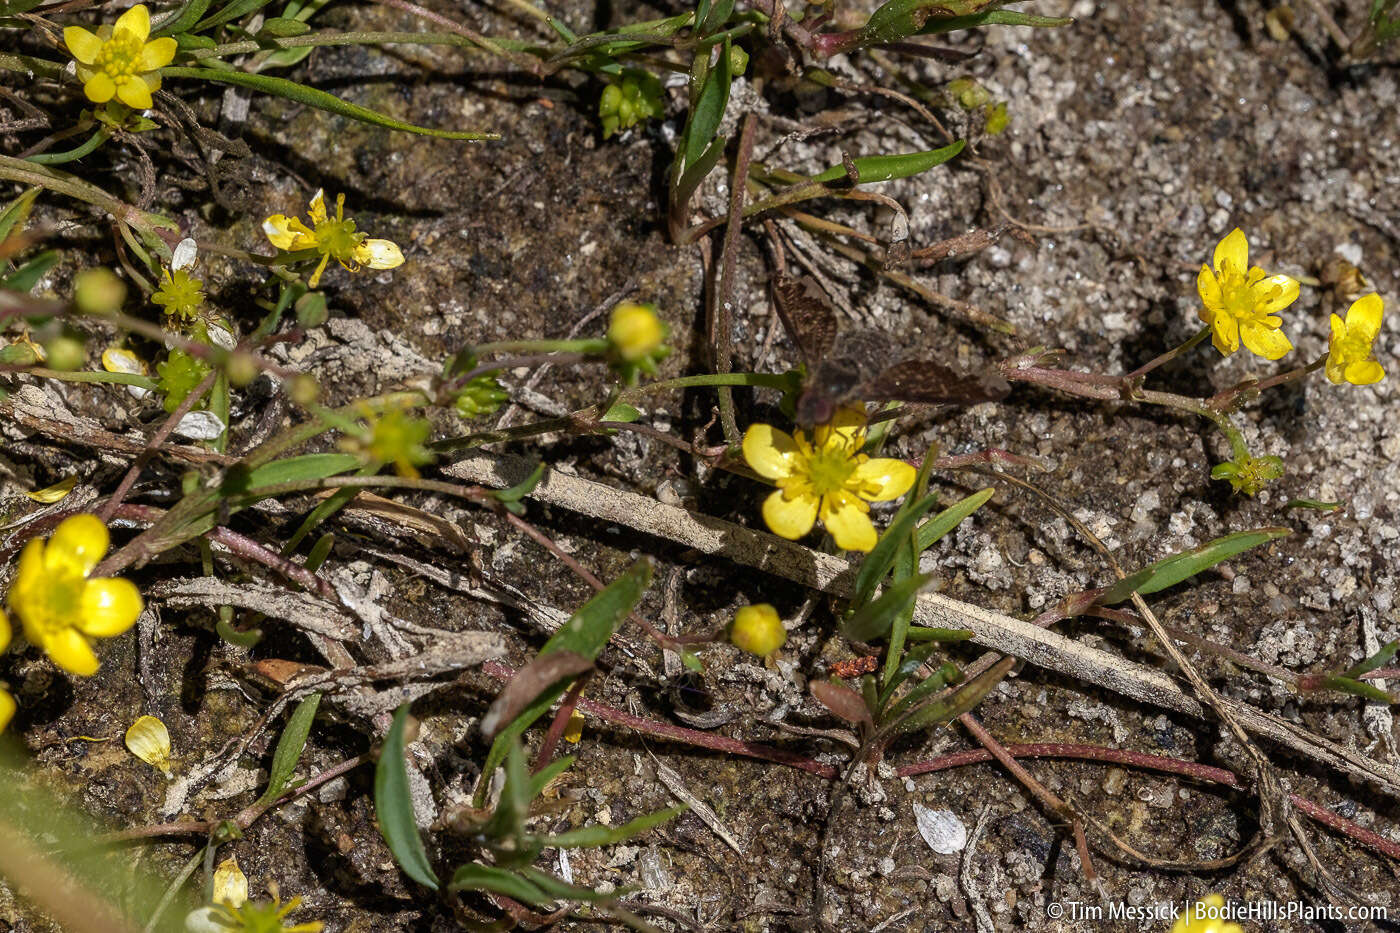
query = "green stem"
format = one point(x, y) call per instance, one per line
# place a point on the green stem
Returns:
point(587, 345)
point(58, 158)
point(41, 176)
point(1231, 399)
point(129, 379)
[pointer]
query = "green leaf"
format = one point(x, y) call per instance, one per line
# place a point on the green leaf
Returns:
point(1380, 658)
point(900, 19)
point(290, 90)
point(290, 745)
point(230, 12)
point(942, 523)
point(279, 27)
point(16, 213)
point(182, 19)
point(28, 275)
point(586, 632)
point(508, 820)
point(393, 806)
point(708, 111)
point(621, 412)
point(711, 18)
point(1315, 504)
point(965, 699)
point(695, 173)
point(881, 557)
point(920, 633)
point(946, 674)
point(1172, 570)
point(1344, 684)
point(873, 620)
point(474, 877)
point(609, 835)
point(541, 778)
point(561, 890)
point(522, 489)
point(889, 167)
point(303, 469)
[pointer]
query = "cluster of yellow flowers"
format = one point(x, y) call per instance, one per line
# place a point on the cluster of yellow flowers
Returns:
point(1241, 302)
point(61, 606)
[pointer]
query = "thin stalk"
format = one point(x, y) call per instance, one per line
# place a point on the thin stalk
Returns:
point(58, 158)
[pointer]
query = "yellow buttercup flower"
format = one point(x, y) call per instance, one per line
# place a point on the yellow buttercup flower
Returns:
point(757, 629)
point(60, 606)
point(826, 477)
point(7, 702)
point(1350, 357)
point(331, 237)
point(635, 331)
point(118, 61)
point(1197, 918)
point(1240, 301)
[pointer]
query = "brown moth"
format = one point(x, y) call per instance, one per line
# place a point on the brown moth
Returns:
point(838, 375)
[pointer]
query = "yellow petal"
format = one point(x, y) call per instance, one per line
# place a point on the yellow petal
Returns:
point(288, 233)
point(379, 254)
point(135, 93)
point(1208, 287)
point(317, 207)
point(890, 478)
point(5, 631)
point(1336, 369)
point(789, 518)
point(7, 709)
point(1364, 316)
point(70, 651)
point(78, 544)
point(573, 731)
point(846, 428)
point(848, 523)
point(157, 54)
point(1364, 373)
point(136, 20)
point(83, 44)
point(1225, 333)
point(149, 740)
point(230, 884)
point(53, 493)
point(119, 360)
point(1234, 249)
point(1267, 342)
point(1274, 293)
point(769, 452)
point(29, 573)
point(315, 279)
point(110, 606)
point(100, 88)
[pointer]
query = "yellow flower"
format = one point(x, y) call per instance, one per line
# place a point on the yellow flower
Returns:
point(179, 295)
point(1197, 919)
point(7, 702)
point(635, 331)
point(118, 61)
point(61, 608)
point(757, 630)
point(329, 236)
point(1350, 357)
point(149, 740)
point(827, 478)
point(261, 916)
point(1240, 301)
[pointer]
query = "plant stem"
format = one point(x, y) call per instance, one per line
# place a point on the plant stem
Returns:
point(57, 158)
point(1136, 375)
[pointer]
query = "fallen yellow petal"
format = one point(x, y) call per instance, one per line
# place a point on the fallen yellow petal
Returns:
point(55, 492)
point(149, 740)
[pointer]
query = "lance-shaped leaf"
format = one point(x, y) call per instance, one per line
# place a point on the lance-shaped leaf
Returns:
point(874, 619)
point(393, 806)
point(1172, 570)
point(290, 745)
point(844, 702)
point(891, 167)
point(609, 835)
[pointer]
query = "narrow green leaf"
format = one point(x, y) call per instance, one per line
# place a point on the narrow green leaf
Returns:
point(180, 20)
point(302, 469)
point(881, 557)
point(889, 167)
point(1315, 504)
point(474, 877)
point(1172, 570)
point(708, 112)
point(393, 806)
point(290, 90)
point(873, 620)
point(561, 890)
point(237, 9)
point(290, 745)
point(16, 213)
point(28, 275)
point(279, 27)
point(920, 633)
point(695, 173)
point(609, 835)
point(541, 778)
point(1359, 688)
point(621, 412)
point(946, 674)
point(713, 19)
point(586, 632)
point(522, 489)
point(942, 523)
point(965, 699)
point(508, 820)
point(1379, 659)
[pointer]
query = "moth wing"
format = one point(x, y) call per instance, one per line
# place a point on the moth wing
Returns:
point(808, 315)
point(935, 384)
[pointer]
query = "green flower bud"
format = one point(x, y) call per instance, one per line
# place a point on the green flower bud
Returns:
point(98, 291)
point(65, 352)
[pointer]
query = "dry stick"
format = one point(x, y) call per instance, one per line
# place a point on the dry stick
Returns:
point(721, 314)
point(157, 439)
point(828, 573)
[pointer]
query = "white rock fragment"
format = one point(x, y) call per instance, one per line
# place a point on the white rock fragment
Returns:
point(941, 829)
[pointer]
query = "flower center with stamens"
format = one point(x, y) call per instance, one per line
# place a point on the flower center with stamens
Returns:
point(338, 237)
point(119, 55)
